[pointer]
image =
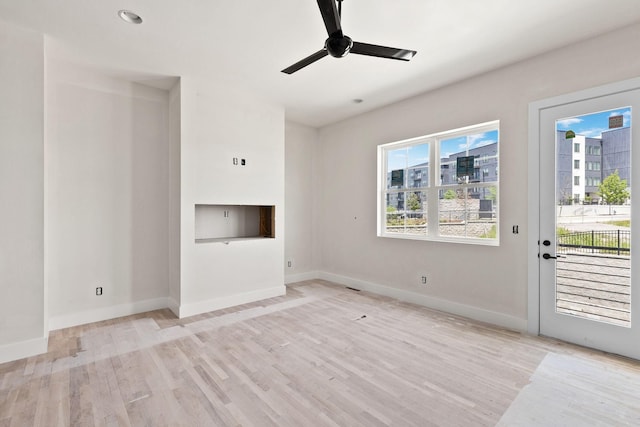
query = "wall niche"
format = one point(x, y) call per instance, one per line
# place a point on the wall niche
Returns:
point(222, 223)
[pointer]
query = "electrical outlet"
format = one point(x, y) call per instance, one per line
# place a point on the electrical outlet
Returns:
point(290, 263)
point(99, 290)
point(424, 280)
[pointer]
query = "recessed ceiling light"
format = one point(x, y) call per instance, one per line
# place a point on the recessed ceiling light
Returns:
point(130, 17)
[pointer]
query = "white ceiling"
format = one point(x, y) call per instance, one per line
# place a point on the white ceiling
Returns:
point(248, 42)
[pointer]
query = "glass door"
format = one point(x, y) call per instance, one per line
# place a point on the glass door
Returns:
point(586, 174)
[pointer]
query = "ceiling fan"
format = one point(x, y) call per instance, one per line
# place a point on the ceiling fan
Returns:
point(339, 45)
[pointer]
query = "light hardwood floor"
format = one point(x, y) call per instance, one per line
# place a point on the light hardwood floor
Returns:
point(322, 355)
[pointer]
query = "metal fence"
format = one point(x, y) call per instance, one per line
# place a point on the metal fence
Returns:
point(612, 242)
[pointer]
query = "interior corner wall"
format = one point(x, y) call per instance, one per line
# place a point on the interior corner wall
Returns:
point(174, 196)
point(218, 125)
point(22, 323)
point(107, 204)
point(484, 282)
point(300, 212)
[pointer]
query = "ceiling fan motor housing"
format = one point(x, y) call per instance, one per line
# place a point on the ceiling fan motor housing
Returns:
point(338, 46)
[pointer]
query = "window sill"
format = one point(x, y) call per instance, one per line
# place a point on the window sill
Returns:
point(443, 239)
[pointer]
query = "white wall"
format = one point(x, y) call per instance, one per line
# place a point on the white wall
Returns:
point(219, 124)
point(301, 209)
point(107, 197)
point(22, 323)
point(489, 283)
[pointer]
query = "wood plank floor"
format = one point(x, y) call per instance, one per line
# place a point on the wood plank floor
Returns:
point(322, 355)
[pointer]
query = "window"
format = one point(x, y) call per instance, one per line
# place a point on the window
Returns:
point(576, 147)
point(593, 181)
point(576, 180)
point(593, 166)
point(576, 164)
point(593, 150)
point(441, 187)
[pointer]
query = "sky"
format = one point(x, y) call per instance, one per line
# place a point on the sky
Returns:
point(419, 154)
point(468, 142)
point(407, 157)
point(592, 125)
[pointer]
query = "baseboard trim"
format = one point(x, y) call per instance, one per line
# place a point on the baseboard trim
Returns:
point(475, 313)
point(174, 306)
point(186, 310)
point(301, 277)
point(106, 313)
point(22, 349)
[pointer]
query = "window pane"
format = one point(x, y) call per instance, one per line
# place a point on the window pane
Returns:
point(468, 212)
point(396, 166)
point(395, 201)
point(418, 166)
point(408, 167)
point(416, 212)
point(478, 151)
point(487, 225)
point(453, 212)
point(394, 213)
point(418, 176)
point(407, 212)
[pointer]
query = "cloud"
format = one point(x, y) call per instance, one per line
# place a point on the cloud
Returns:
point(593, 132)
point(481, 140)
point(566, 123)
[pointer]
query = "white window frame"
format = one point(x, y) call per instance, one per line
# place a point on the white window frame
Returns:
point(432, 190)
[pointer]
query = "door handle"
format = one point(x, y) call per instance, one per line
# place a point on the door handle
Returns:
point(547, 256)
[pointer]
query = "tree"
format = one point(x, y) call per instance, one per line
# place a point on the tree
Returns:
point(413, 202)
point(449, 195)
point(613, 190)
point(493, 194)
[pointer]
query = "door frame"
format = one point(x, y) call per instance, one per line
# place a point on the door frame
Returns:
point(533, 187)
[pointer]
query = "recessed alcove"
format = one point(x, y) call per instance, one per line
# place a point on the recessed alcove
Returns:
point(222, 223)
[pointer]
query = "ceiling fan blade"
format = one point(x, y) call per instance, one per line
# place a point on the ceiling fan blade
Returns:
point(382, 51)
point(306, 61)
point(330, 17)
